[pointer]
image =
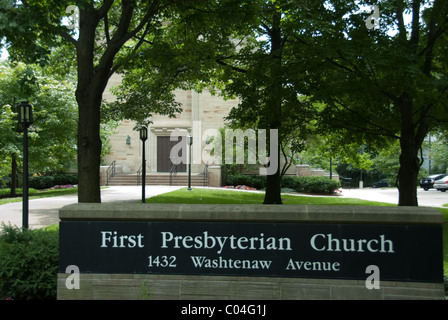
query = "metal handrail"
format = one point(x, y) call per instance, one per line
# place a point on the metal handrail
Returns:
point(139, 172)
point(205, 174)
point(110, 172)
point(173, 172)
point(346, 182)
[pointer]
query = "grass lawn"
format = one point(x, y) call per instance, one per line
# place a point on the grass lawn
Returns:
point(36, 194)
point(219, 196)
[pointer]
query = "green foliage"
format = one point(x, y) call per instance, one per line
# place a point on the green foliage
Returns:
point(384, 83)
point(320, 148)
point(43, 182)
point(179, 54)
point(29, 263)
point(6, 192)
point(107, 129)
point(52, 136)
point(258, 182)
point(318, 185)
point(438, 154)
point(368, 176)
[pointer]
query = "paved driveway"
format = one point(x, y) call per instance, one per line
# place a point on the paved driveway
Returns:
point(430, 198)
point(45, 211)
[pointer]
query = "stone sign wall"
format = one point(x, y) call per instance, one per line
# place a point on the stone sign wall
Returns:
point(135, 251)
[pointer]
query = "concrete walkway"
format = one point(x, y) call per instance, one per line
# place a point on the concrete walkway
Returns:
point(45, 211)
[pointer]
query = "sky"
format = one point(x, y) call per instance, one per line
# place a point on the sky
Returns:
point(3, 55)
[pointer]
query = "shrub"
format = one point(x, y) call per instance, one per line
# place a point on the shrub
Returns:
point(29, 263)
point(45, 182)
point(4, 193)
point(315, 185)
point(321, 185)
point(289, 182)
point(258, 182)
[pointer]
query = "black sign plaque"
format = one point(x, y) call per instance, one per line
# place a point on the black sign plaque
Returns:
point(309, 250)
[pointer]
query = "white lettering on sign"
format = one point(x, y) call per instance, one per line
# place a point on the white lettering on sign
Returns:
point(112, 239)
point(326, 242)
point(206, 241)
point(221, 263)
point(313, 265)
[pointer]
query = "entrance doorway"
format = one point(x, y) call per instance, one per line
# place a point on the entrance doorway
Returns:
point(164, 162)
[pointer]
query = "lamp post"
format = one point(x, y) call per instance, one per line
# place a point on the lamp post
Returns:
point(25, 111)
point(143, 137)
point(189, 142)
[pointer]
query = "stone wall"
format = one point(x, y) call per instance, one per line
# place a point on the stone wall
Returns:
point(305, 170)
point(202, 111)
point(165, 287)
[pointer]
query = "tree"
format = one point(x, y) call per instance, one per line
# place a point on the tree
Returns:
point(52, 145)
point(260, 73)
point(182, 54)
point(438, 153)
point(251, 60)
point(110, 32)
point(320, 148)
point(382, 84)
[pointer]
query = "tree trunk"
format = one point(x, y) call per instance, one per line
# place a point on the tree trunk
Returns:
point(274, 109)
point(273, 188)
point(410, 142)
point(91, 84)
point(407, 175)
point(89, 150)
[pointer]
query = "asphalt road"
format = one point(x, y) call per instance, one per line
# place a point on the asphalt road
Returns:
point(430, 198)
point(45, 211)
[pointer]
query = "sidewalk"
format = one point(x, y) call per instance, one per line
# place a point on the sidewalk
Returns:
point(45, 211)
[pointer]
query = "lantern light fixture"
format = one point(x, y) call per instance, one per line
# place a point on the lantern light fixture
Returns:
point(25, 111)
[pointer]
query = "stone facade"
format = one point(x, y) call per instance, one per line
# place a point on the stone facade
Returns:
point(201, 112)
point(169, 287)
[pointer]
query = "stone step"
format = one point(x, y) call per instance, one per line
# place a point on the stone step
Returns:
point(154, 179)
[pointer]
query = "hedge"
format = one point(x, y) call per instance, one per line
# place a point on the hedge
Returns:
point(28, 264)
point(45, 182)
point(314, 184)
point(5, 193)
point(258, 182)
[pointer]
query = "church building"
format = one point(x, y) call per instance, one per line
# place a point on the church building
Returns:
point(202, 115)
